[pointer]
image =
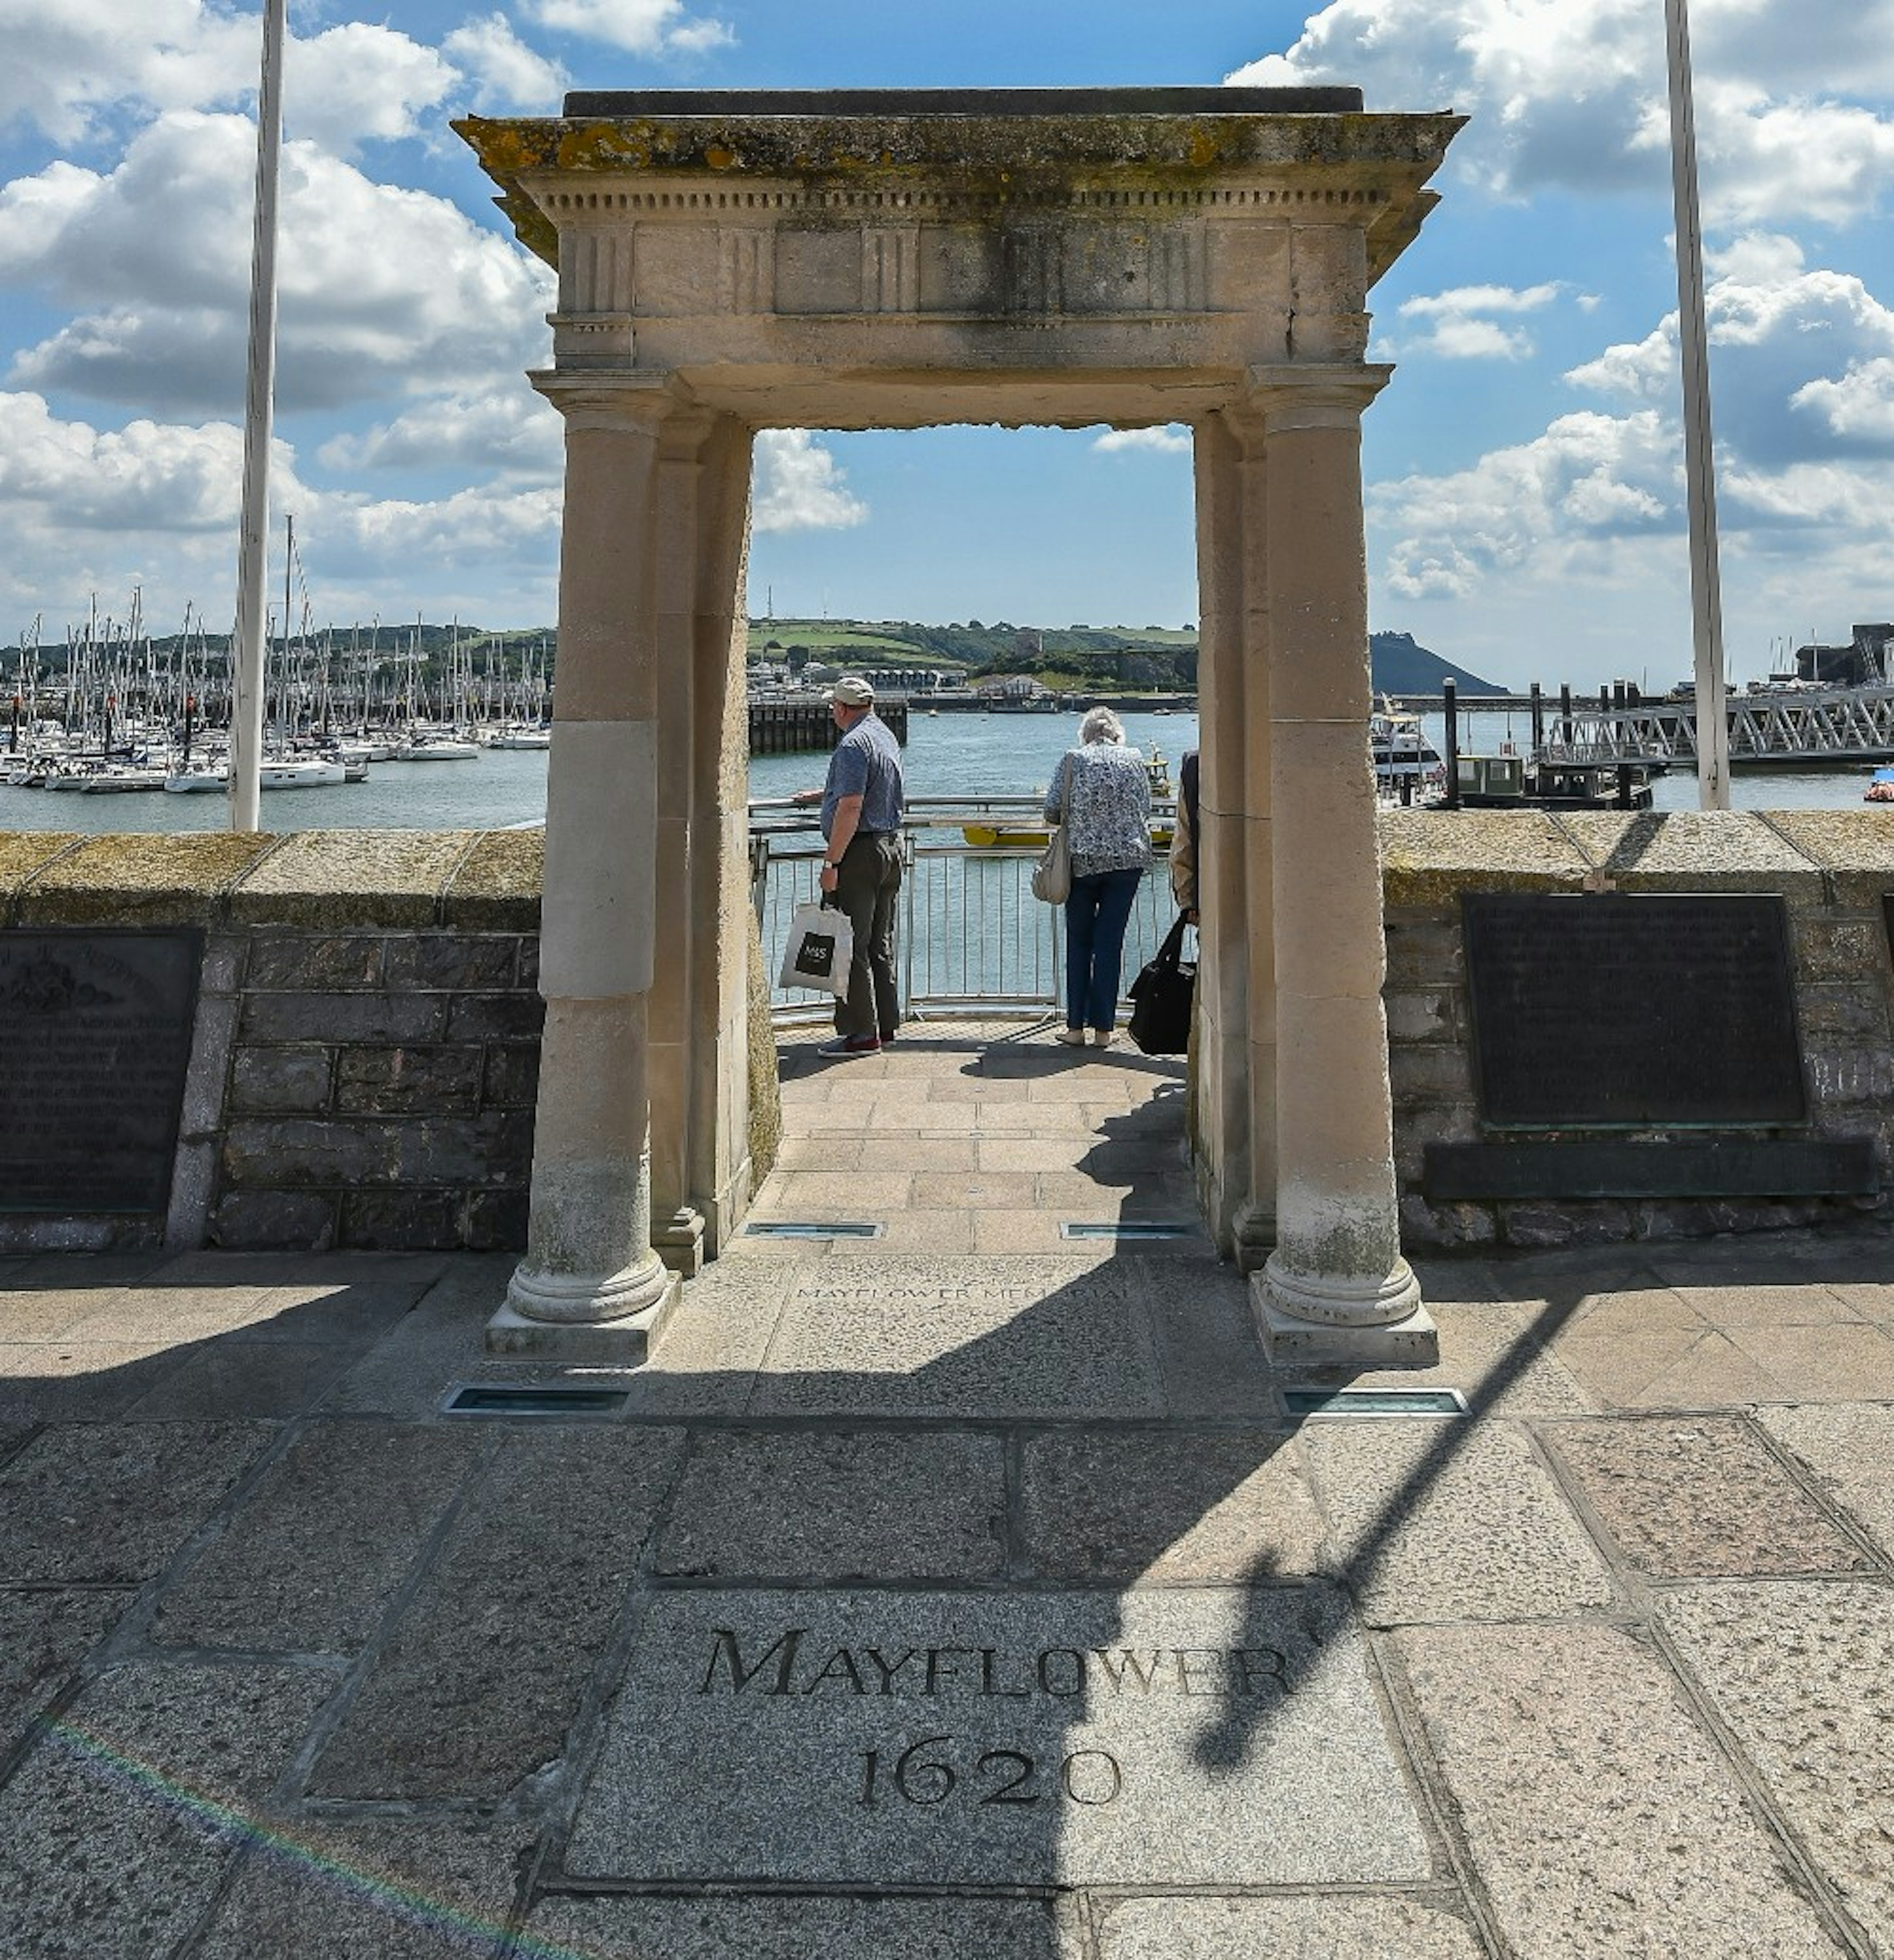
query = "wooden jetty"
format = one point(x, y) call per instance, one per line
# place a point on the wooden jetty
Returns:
point(802, 725)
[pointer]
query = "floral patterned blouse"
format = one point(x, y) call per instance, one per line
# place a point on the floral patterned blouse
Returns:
point(1101, 794)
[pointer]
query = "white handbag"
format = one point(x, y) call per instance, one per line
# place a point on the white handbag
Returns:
point(820, 951)
point(1052, 875)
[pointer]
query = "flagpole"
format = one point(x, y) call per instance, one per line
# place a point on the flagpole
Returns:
point(1699, 462)
point(246, 676)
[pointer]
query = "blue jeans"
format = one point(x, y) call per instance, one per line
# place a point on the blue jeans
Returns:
point(1095, 916)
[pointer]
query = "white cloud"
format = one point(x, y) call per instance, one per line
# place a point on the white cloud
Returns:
point(1575, 95)
point(507, 74)
point(69, 66)
point(154, 258)
point(1459, 327)
point(85, 509)
point(641, 26)
point(510, 430)
point(1856, 408)
point(1166, 441)
point(798, 485)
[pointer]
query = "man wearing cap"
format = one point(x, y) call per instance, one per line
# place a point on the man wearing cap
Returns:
point(861, 806)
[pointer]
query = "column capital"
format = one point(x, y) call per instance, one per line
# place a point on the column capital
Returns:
point(637, 403)
point(1300, 395)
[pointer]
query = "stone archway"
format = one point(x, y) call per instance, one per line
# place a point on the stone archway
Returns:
point(902, 259)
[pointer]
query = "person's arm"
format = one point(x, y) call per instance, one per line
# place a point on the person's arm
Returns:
point(1055, 810)
point(1183, 862)
point(807, 796)
point(841, 835)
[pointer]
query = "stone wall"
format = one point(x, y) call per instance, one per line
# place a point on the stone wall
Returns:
point(365, 1051)
point(1831, 868)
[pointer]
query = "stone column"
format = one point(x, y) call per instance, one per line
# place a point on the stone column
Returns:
point(1336, 1288)
point(1222, 1130)
point(699, 1018)
point(591, 1286)
point(721, 1180)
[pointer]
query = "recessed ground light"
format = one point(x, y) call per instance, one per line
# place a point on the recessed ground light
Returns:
point(1374, 1402)
point(1125, 1229)
point(535, 1399)
point(817, 1228)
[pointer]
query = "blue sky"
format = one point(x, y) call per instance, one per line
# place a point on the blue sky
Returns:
point(1524, 468)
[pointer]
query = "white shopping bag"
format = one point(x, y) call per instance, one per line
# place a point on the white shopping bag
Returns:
point(821, 950)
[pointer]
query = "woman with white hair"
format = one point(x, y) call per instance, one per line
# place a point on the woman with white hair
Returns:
point(1101, 793)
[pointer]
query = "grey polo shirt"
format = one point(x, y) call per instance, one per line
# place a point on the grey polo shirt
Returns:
point(865, 762)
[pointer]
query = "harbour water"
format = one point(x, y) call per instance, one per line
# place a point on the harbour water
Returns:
point(947, 755)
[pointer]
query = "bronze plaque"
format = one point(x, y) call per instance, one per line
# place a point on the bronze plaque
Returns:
point(95, 1040)
point(1613, 1011)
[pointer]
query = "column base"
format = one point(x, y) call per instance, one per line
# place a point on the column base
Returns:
point(679, 1241)
point(1310, 1322)
point(623, 1342)
point(1413, 1342)
point(584, 1317)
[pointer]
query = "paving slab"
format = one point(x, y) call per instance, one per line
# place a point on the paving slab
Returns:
point(439, 1342)
point(1451, 1520)
point(802, 1928)
point(708, 1352)
point(1668, 1368)
point(1798, 1303)
point(392, 1889)
point(880, 1505)
point(44, 1636)
point(66, 1381)
point(117, 1830)
point(231, 1379)
point(1700, 1498)
point(1491, 1353)
point(959, 1337)
point(1599, 1819)
point(1328, 1928)
point(1186, 1736)
point(1850, 1447)
point(152, 1311)
point(1826, 1363)
point(478, 1684)
point(1211, 1361)
point(1157, 1506)
point(112, 1505)
point(311, 1561)
point(1801, 1675)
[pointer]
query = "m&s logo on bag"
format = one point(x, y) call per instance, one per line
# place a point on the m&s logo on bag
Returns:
point(817, 956)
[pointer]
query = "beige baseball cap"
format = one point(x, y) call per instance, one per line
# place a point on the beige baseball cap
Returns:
point(852, 692)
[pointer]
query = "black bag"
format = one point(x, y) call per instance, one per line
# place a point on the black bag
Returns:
point(1162, 996)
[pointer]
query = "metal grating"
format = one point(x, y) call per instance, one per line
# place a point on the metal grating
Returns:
point(1126, 1228)
point(1358, 1402)
point(542, 1399)
point(804, 1228)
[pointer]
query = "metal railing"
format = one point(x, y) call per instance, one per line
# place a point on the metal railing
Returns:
point(972, 938)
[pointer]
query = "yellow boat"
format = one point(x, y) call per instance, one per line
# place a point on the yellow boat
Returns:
point(993, 837)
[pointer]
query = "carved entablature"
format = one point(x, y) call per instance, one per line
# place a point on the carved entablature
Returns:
point(763, 243)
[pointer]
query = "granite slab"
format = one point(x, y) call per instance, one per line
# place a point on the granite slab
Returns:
point(1153, 1506)
point(117, 1830)
point(912, 1336)
point(43, 1637)
point(1850, 1446)
point(1599, 1817)
point(871, 1738)
point(110, 1505)
point(309, 1563)
point(479, 1681)
point(764, 1504)
point(631, 1928)
point(1449, 1520)
point(394, 1889)
point(1800, 1674)
point(1700, 1498)
point(1328, 1928)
